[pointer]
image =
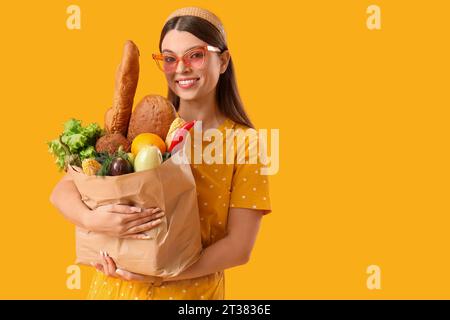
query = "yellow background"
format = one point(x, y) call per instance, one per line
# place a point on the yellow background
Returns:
point(363, 118)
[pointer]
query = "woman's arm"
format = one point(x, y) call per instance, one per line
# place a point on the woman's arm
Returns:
point(233, 250)
point(115, 220)
point(66, 198)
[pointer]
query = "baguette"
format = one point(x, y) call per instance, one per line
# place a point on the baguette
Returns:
point(118, 116)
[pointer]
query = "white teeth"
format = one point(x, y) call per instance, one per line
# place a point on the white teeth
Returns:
point(186, 82)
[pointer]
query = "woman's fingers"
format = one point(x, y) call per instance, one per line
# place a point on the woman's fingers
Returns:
point(143, 227)
point(103, 265)
point(126, 275)
point(111, 264)
point(144, 214)
point(121, 208)
point(97, 266)
point(129, 276)
point(139, 236)
point(141, 221)
point(109, 267)
point(131, 211)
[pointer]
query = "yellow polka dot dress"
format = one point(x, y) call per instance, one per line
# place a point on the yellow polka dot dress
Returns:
point(219, 188)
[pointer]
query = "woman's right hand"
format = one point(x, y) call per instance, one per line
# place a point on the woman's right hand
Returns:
point(124, 221)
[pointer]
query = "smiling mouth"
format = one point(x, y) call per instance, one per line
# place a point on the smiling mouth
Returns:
point(187, 83)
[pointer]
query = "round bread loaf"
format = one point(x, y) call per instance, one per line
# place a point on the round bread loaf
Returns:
point(111, 142)
point(153, 114)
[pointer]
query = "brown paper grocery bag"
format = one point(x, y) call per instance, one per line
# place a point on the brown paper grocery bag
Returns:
point(173, 246)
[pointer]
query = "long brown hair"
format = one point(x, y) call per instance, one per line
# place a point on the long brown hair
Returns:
point(227, 93)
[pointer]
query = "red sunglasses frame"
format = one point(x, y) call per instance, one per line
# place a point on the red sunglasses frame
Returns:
point(159, 58)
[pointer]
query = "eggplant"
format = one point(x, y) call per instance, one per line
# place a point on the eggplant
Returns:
point(120, 166)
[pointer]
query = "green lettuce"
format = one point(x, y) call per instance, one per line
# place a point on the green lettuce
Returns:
point(77, 142)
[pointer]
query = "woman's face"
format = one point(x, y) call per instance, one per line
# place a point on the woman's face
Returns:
point(206, 78)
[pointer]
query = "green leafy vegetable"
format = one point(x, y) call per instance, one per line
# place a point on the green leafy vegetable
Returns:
point(75, 144)
point(104, 170)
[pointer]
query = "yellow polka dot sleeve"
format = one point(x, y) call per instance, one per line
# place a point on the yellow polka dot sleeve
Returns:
point(249, 188)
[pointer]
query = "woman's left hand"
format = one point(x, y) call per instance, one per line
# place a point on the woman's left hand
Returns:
point(109, 268)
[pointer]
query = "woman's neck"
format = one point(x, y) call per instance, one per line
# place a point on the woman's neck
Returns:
point(205, 110)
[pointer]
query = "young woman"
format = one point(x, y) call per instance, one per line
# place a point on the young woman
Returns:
point(232, 198)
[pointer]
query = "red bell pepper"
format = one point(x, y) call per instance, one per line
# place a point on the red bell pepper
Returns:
point(180, 134)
